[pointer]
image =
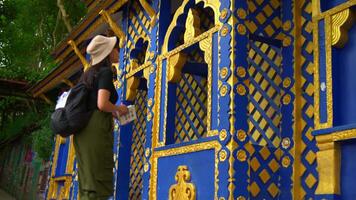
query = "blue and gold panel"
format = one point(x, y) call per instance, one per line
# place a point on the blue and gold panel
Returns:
point(334, 33)
point(138, 147)
point(188, 171)
point(191, 108)
point(265, 18)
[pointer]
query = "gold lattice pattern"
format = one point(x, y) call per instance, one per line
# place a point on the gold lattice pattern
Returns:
point(191, 112)
point(264, 18)
point(139, 25)
point(138, 145)
point(308, 171)
point(264, 96)
point(264, 166)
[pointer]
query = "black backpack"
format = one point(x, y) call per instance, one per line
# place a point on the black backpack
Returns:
point(76, 113)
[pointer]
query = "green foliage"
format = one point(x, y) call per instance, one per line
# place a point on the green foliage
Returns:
point(42, 139)
point(29, 31)
point(18, 125)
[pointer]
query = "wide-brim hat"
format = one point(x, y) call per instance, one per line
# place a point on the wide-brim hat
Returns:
point(100, 47)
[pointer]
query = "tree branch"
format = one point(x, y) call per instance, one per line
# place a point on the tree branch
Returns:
point(55, 28)
point(65, 16)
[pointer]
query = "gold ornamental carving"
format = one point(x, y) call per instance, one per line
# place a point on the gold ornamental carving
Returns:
point(132, 85)
point(79, 54)
point(117, 30)
point(183, 189)
point(192, 25)
point(176, 63)
point(341, 22)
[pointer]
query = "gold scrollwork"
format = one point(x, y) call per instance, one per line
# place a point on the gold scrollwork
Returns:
point(117, 30)
point(183, 189)
point(341, 22)
point(79, 54)
point(176, 63)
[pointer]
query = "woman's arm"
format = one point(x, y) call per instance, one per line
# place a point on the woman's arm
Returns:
point(105, 105)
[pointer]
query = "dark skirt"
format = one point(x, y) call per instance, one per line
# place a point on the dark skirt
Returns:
point(94, 154)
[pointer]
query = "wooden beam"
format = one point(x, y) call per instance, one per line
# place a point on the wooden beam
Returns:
point(115, 27)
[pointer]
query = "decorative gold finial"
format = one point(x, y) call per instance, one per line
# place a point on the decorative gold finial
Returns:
point(182, 190)
point(79, 54)
point(117, 30)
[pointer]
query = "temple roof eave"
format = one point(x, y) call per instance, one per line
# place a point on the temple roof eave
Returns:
point(68, 63)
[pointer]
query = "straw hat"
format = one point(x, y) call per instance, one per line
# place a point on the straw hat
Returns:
point(100, 47)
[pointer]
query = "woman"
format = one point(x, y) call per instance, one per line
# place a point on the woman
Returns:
point(94, 145)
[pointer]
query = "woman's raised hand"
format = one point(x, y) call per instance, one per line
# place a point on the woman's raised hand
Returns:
point(122, 109)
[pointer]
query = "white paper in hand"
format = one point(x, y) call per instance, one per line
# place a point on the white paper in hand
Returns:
point(129, 117)
point(61, 102)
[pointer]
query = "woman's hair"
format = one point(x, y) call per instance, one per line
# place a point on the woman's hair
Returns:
point(89, 76)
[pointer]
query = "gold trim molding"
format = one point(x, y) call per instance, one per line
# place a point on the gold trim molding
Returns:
point(329, 160)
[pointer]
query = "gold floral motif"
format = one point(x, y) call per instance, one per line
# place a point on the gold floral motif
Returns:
point(222, 155)
point(241, 155)
point(240, 198)
point(149, 116)
point(183, 189)
point(147, 152)
point(224, 13)
point(152, 69)
point(146, 167)
point(241, 29)
point(241, 72)
point(286, 82)
point(285, 161)
point(241, 90)
point(241, 13)
point(224, 31)
point(79, 54)
point(241, 135)
point(223, 72)
point(223, 135)
point(286, 143)
point(149, 102)
point(223, 90)
point(286, 99)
